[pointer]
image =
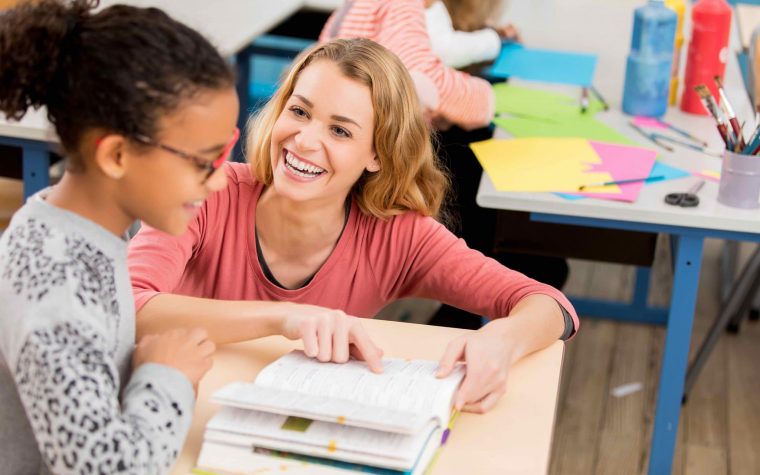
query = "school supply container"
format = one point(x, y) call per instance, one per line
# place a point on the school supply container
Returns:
point(648, 69)
point(708, 50)
point(678, 6)
point(740, 181)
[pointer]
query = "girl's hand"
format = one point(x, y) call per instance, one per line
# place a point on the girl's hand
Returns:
point(189, 351)
point(488, 359)
point(331, 335)
point(508, 32)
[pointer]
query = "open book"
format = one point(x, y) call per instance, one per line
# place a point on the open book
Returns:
point(341, 417)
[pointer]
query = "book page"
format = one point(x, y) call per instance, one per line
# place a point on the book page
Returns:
point(293, 403)
point(407, 385)
point(318, 438)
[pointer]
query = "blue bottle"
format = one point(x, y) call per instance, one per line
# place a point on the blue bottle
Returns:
point(648, 71)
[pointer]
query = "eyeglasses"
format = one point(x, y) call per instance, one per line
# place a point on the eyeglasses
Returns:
point(208, 167)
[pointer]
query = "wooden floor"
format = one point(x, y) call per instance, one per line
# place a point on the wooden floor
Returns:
point(597, 433)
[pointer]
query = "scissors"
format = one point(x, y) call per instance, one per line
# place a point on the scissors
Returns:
point(685, 200)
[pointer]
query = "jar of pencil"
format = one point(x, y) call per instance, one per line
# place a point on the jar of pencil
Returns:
point(740, 170)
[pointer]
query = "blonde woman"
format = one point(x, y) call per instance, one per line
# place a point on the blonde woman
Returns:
point(337, 209)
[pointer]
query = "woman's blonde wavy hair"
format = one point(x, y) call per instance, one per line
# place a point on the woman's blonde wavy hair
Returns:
point(410, 177)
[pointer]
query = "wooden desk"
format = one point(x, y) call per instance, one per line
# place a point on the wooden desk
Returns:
point(513, 438)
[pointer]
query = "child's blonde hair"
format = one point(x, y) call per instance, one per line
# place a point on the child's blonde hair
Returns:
point(471, 15)
point(410, 177)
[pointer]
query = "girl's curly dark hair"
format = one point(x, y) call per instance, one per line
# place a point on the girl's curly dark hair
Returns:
point(119, 69)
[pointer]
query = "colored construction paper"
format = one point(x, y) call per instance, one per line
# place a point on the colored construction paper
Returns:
point(711, 175)
point(540, 164)
point(649, 123)
point(660, 169)
point(622, 162)
point(562, 67)
point(668, 172)
point(588, 128)
point(530, 103)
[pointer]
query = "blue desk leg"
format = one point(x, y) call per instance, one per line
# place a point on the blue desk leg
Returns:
point(677, 340)
point(35, 168)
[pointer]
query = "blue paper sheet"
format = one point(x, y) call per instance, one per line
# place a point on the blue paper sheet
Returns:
point(532, 64)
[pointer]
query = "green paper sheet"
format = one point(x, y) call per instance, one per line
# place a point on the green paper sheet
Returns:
point(525, 102)
point(587, 128)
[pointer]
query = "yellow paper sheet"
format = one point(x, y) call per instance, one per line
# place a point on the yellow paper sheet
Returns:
point(540, 164)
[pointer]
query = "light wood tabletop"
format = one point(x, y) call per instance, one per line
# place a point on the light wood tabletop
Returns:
point(515, 437)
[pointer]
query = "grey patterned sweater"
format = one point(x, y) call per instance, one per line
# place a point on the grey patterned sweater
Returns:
point(67, 330)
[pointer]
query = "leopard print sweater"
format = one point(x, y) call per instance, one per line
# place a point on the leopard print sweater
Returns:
point(67, 331)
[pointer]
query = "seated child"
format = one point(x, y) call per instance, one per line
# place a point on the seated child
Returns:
point(126, 89)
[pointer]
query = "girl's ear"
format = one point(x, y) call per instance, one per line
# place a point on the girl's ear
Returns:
point(109, 156)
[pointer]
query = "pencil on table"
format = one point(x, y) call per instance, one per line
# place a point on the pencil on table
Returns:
point(595, 92)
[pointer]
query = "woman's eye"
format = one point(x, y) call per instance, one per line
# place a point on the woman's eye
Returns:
point(298, 112)
point(341, 132)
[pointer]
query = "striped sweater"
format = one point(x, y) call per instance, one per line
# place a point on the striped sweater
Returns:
point(400, 26)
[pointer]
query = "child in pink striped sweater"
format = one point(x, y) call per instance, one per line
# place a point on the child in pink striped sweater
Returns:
point(400, 25)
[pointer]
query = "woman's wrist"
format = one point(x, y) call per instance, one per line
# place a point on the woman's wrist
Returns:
point(270, 318)
point(506, 331)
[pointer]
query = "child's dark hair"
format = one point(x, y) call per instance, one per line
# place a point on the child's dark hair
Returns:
point(118, 69)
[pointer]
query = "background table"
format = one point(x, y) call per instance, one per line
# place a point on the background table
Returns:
point(35, 137)
point(515, 437)
point(604, 28)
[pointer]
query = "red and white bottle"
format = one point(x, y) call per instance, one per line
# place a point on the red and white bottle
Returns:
point(708, 51)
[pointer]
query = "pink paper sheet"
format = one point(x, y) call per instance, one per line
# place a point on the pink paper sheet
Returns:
point(622, 162)
point(649, 123)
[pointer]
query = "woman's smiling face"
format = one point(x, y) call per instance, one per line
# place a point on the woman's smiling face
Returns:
point(322, 141)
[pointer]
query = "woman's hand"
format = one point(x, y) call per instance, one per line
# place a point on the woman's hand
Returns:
point(535, 322)
point(331, 335)
point(488, 358)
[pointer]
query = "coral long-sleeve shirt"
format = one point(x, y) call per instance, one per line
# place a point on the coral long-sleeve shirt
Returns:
point(373, 263)
point(400, 26)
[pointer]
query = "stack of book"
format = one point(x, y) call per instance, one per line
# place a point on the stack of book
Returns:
point(303, 416)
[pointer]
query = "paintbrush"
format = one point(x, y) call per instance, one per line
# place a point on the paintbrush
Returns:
point(730, 114)
point(710, 106)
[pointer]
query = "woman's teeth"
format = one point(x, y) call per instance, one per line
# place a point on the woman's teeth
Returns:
point(301, 168)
